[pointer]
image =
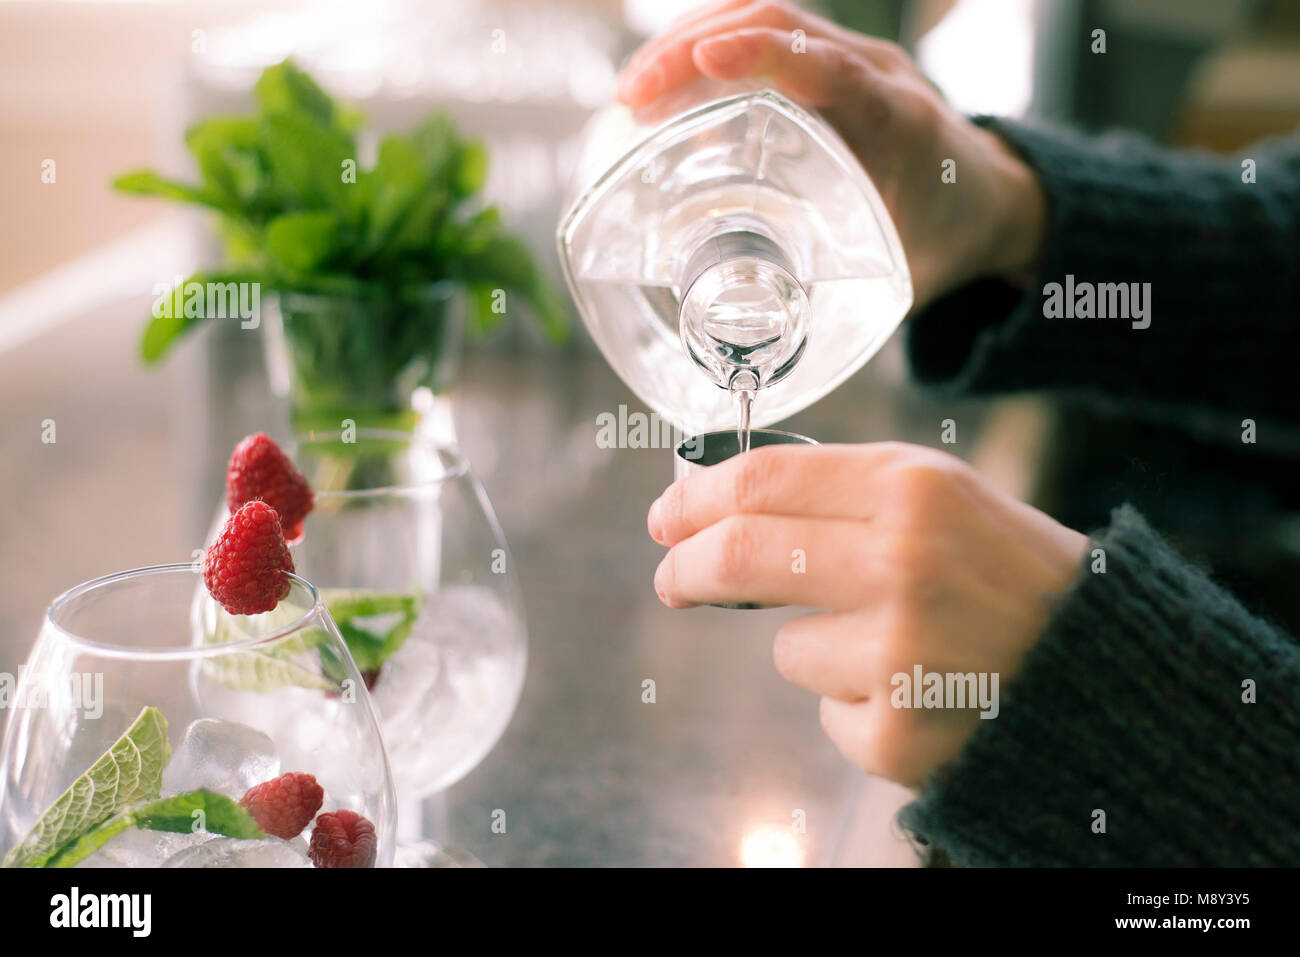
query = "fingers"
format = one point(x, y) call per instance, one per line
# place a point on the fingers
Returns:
point(833, 654)
point(897, 744)
point(853, 727)
point(668, 61)
point(666, 64)
point(770, 559)
point(703, 12)
point(826, 481)
point(687, 21)
point(814, 71)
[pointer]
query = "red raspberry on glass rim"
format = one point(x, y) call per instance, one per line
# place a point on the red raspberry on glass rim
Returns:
point(343, 839)
point(244, 569)
point(283, 806)
point(259, 469)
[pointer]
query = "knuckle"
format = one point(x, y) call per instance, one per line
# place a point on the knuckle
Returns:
point(891, 51)
point(919, 486)
point(775, 13)
point(752, 480)
point(910, 558)
point(897, 638)
point(926, 484)
point(674, 506)
point(735, 550)
point(894, 59)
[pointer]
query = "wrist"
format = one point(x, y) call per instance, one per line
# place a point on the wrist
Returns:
point(1019, 221)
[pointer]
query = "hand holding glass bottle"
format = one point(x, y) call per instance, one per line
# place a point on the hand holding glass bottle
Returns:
point(990, 221)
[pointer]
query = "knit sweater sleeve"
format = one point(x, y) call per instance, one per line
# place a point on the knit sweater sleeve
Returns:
point(1222, 258)
point(1152, 697)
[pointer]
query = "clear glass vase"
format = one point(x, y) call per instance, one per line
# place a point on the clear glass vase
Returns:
point(377, 361)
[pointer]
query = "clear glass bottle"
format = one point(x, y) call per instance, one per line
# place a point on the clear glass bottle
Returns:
point(727, 239)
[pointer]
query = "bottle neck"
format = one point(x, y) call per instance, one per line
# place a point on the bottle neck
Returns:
point(733, 246)
point(742, 312)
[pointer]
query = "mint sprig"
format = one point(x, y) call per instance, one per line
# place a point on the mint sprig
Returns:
point(283, 663)
point(298, 214)
point(374, 625)
point(220, 815)
point(128, 772)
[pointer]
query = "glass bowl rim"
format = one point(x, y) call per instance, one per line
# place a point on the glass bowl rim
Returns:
point(171, 652)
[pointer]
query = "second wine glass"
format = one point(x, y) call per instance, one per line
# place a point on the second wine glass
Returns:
point(412, 564)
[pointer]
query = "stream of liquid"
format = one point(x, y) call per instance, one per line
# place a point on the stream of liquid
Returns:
point(743, 385)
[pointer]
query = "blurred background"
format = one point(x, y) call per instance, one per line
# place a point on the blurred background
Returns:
point(713, 773)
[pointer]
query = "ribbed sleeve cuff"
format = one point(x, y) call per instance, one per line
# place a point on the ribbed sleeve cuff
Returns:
point(1131, 704)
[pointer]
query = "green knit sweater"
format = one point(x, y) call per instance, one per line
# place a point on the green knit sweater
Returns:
point(1152, 696)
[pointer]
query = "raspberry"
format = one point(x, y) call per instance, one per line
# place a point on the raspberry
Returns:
point(283, 806)
point(343, 839)
point(244, 568)
point(259, 469)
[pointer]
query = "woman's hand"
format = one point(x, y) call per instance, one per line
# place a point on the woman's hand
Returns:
point(991, 220)
point(917, 560)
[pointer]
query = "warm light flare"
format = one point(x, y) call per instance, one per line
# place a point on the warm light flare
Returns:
point(771, 845)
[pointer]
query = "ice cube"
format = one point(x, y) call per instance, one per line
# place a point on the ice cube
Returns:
point(138, 847)
point(222, 756)
point(229, 852)
point(445, 697)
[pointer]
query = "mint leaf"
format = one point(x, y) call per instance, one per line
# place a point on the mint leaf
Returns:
point(396, 182)
point(305, 162)
point(367, 650)
point(71, 854)
point(284, 88)
point(345, 604)
point(374, 625)
point(302, 242)
point(143, 182)
point(471, 168)
point(181, 313)
point(221, 815)
point(129, 772)
point(268, 667)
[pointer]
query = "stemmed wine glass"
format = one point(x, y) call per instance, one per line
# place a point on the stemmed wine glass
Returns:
point(413, 567)
point(145, 713)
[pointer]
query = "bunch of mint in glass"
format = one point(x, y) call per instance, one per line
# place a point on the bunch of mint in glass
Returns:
point(297, 213)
